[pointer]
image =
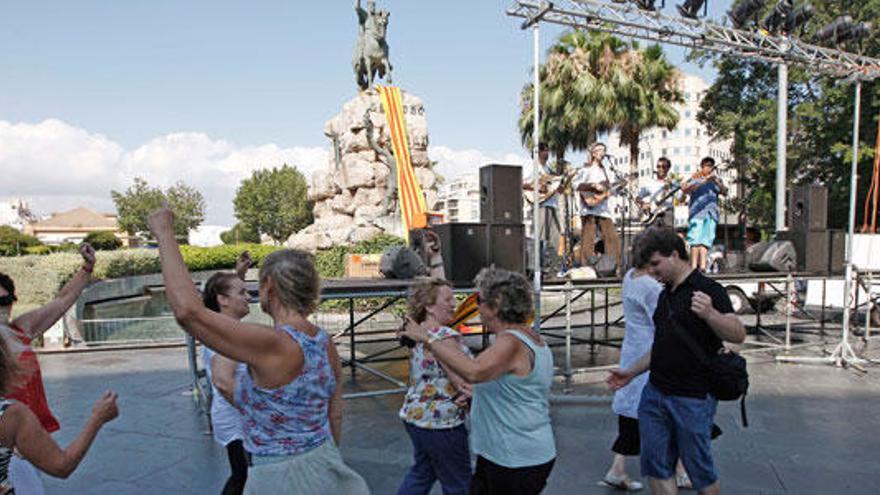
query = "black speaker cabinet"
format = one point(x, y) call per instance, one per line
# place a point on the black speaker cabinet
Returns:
point(464, 250)
point(506, 247)
point(837, 251)
point(808, 208)
point(501, 194)
point(812, 248)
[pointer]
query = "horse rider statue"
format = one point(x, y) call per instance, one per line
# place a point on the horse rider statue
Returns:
point(371, 51)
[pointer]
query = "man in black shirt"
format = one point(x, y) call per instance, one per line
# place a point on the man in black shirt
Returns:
point(676, 409)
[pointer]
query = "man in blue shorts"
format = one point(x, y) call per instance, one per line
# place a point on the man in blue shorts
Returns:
point(676, 410)
point(703, 188)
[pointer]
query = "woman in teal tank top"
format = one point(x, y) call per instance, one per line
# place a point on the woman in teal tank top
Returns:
point(511, 433)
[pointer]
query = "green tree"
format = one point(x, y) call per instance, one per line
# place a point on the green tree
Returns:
point(647, 97)
point(741, 105)
point(13, 242)
point(135, 203)
point(240, 233)
point(579, 91)
point(274, 202)
point(103, 240)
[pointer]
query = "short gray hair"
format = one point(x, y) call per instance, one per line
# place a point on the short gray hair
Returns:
point(294, 276)
point(509, 293)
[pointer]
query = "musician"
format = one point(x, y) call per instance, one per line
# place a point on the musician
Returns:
point(656, 195)
point(551, 177)
point(704, 187)
point(593, 183)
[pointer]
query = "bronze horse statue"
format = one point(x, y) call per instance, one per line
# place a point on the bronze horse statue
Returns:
point(371, 51)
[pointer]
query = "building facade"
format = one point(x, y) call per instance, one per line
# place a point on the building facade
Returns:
point(459, 199)
point(685, 146)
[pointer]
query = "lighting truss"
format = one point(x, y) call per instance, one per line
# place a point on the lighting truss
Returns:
point(627, 20)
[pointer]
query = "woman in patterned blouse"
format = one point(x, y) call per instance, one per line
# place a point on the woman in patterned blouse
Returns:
point(435, 407)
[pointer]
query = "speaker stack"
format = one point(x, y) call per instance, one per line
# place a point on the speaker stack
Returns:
point(808, 230)
point(498, 238)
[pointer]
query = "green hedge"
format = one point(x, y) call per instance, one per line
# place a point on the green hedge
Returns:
point(38, 277)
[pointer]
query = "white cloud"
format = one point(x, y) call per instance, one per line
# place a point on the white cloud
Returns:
point(454, 163)
point(56, 166)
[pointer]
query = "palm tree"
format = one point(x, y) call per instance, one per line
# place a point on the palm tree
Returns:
point(579, 84)
point(646, 97)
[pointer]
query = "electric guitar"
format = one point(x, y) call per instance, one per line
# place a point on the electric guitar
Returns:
point(655, 206)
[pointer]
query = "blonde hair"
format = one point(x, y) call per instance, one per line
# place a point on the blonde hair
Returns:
point(424, 294)
point(293, 275)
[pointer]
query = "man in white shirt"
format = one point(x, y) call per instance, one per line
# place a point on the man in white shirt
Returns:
point(656, 196)
point(548, 210)
point(593, 185)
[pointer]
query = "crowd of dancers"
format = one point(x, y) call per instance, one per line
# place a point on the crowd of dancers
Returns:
point(278, 406)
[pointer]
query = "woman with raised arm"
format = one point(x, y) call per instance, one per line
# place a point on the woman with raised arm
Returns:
point(22, 432)
point(289, 395)
point(511, 433)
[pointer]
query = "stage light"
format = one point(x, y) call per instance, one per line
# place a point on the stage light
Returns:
point(777, 17)
point(645, 5)
point(798, 17)
point(744, 11)
point(690, 8)
point(841, 30)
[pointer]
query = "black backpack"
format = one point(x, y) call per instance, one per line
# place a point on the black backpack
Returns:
point(730, 379)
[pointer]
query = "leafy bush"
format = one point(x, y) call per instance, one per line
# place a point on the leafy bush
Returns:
point(331, 262)
point(103, 241)
point(14, 243)
point(41, 249)
point(240, 233)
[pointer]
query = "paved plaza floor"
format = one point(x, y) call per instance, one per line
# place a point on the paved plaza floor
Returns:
point(814, 429)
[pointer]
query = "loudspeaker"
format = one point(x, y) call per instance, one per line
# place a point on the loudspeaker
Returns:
point(464, 250)
point(774, 256)
point(501, 194)
point(506, 249)
point(402, 263)
point(837, 251)
point(808, 208)
point(812, 248)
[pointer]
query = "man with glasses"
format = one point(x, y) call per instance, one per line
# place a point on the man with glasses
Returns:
point(655, 197)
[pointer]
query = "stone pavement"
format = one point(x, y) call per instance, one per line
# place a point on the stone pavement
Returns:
point(814, 429)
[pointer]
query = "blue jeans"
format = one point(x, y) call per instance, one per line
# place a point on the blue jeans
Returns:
point(439, 455)
point(672, 427)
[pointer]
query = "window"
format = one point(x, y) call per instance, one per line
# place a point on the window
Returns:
point(687, 114)
point(675, 151)
point(665, 151)
point(664, 134)
point(687, 132)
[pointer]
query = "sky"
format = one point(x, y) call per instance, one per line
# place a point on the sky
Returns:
point(96, 92)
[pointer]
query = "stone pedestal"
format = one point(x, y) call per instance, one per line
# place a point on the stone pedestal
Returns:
point(349, 192)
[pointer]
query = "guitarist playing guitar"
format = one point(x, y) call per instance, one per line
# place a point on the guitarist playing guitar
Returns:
point(655, 198)
point(595, 187)
point(551, 181)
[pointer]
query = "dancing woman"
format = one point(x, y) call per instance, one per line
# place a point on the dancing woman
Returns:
point(289, 395)
point(510, 415)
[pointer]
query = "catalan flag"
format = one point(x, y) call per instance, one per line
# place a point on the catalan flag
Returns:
point(409, 192)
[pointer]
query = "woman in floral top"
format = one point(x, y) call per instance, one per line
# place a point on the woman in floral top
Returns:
point(435, 407)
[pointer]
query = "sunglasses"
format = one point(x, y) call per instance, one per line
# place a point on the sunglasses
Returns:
point(7, 299)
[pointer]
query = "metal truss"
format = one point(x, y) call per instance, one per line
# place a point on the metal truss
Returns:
point(627, 20)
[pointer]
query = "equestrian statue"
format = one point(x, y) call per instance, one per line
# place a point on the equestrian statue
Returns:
point(371, 51)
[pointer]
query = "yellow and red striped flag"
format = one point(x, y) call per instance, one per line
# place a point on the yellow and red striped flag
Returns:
point(409, 192)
